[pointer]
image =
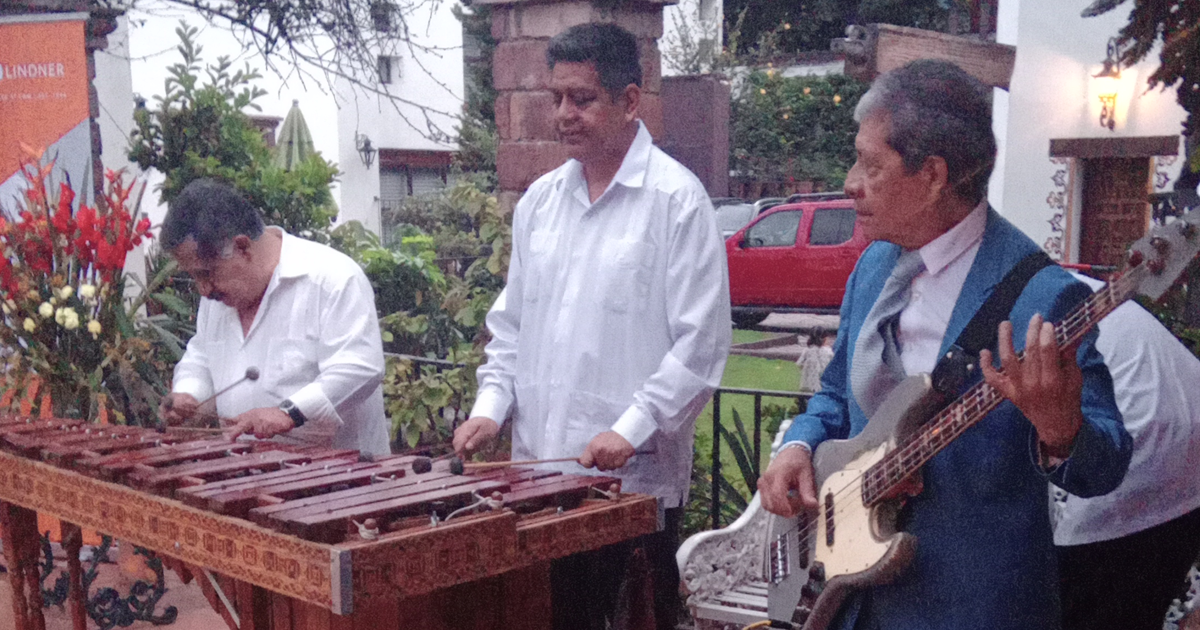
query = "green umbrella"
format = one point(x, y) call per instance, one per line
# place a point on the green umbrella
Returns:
point(295, 142)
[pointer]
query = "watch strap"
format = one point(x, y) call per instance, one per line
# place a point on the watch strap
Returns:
point(297, 416)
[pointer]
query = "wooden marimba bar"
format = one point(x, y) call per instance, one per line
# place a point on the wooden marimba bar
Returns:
point(288, 538)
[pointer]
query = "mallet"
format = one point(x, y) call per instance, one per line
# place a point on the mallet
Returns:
point(422, 465)
point(251, 375)
point(529, 462)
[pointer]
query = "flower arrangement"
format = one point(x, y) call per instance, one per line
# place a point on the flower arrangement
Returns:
point(66, 327)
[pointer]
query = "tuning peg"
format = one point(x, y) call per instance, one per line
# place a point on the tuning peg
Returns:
point(1135, 258)
point(1156, 266)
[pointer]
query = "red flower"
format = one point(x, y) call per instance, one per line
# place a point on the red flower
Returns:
point(62, 216)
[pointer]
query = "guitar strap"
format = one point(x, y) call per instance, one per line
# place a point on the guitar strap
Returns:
point(955, 368)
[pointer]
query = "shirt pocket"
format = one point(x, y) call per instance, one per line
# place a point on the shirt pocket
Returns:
point(291, 364)
point(625, 267)
point(539, 268)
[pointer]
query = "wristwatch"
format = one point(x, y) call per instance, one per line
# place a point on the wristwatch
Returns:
point(294, 412)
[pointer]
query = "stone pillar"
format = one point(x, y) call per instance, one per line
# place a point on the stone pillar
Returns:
point(529, 146)
point(697, 131)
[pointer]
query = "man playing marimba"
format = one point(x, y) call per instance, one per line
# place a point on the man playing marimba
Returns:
point(613, 329)
point(299, 314)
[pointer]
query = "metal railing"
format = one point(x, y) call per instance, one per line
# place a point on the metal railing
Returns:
point(756, 444)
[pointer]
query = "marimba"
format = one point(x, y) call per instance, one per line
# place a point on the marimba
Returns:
point(287, 538)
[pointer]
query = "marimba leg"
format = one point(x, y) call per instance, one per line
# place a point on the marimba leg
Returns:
point(18, 526)
point(72, 541)
point(16, 572)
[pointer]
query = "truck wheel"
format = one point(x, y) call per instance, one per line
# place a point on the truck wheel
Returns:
point(746, 320)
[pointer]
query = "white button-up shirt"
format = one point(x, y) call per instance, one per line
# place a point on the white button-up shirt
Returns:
point(1155, 379)
point(615, 317)
point(948, 259)
point(315, 340)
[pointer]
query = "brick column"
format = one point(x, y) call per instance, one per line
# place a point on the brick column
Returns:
point(529, 146)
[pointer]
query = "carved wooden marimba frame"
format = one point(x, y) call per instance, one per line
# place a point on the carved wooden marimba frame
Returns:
point(287, 538)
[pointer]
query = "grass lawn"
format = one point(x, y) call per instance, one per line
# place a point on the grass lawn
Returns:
point(751, 373)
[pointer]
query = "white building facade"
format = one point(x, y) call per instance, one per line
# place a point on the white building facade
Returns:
point(1078, 153)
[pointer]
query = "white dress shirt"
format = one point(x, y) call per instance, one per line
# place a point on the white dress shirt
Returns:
point(615, 317)
point(923, 322)
point(948, 259)
point(1157, 383)
point(315, 340)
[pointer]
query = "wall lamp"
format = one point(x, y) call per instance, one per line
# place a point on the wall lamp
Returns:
point(365, 150)
point(1109, 85)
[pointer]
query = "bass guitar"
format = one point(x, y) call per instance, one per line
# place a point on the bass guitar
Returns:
point(851, 541)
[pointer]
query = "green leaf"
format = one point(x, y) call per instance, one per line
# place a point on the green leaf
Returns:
point(173, 303)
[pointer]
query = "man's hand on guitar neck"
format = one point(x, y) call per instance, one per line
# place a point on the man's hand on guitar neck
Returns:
point(1047, 385)
point(788, 485)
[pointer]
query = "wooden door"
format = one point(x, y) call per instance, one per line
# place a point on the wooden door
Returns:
point(1116, 209)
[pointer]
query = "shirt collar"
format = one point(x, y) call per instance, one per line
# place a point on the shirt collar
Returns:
point(631, 174)
point(289, 266)
point(945, 249)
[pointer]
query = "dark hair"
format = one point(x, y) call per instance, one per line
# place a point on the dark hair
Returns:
point(612, 49)
point(936, 108)
point(212, 213)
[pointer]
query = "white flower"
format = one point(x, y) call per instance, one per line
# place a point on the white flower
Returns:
point(30, 325)
point(94, 328)
point(65, 292)
point(67, 318)
point(46, 310)
point(87, 291)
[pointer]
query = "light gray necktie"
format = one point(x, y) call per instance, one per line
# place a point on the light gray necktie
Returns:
point(877, 368)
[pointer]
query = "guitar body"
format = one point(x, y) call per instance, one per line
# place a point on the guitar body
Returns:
point(854, 545)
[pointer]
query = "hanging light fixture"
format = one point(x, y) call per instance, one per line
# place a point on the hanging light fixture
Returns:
point(1108, 80)
point(365, 150)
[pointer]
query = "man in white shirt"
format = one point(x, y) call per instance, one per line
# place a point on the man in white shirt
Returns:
point(614, 326)
point(1124, 556)
point(300, 313)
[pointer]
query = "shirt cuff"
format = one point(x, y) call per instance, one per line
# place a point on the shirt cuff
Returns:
point(312, 402)
point(196, 387)
point(635, 425)
point(795, 444)
point(493, 404)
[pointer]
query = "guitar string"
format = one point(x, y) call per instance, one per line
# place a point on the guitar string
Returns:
point(979, 401)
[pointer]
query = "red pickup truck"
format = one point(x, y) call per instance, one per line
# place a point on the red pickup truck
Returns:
point(793, 257)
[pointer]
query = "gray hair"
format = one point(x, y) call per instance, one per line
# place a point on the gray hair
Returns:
point(212, 213)
point(937, 109)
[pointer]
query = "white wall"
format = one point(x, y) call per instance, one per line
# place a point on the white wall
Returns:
point(114, 91)
point(429, 81)
point(1052, 96)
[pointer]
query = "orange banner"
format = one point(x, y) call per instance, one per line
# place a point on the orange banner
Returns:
point(43, 91)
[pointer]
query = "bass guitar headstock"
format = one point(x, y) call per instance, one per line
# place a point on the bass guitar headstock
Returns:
point(1166, 251)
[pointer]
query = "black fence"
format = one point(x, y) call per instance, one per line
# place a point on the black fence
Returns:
point(756, 440)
